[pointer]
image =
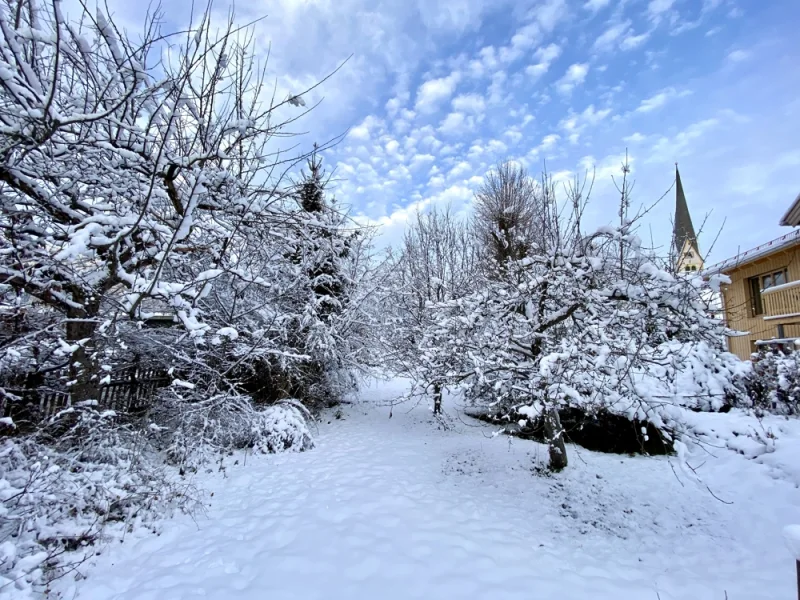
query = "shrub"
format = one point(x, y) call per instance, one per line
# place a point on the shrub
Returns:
point(773, 383)
point(61, 489)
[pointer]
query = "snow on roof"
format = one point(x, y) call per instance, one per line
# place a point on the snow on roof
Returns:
point(785, 241)
point(792, 216)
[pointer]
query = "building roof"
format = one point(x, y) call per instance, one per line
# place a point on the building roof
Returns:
point(792, 216)
point(743, 258)
point(684, 230)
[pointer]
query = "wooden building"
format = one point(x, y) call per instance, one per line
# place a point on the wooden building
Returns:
point(763, 299)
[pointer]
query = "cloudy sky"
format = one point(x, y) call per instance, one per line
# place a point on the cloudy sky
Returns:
point(436, 92)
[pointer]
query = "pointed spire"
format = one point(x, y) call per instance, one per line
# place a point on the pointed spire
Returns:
point(684, 230)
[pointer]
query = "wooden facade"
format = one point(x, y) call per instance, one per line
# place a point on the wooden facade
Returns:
point(763, 299)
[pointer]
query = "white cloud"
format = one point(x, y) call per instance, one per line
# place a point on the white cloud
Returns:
point(680, 145)
point(634, 138)
point(545, 57)
point(432, 93)
point(607, 167)
point(632, 41)
point(608, 39)
point(485, 63)
point(391, 147)
point(401, 97)
point(596, 5)
point(575, 124)
point(453, 124)
point(575, 75)
point(620, 35)
point(549, 141)
point(549, 13)
point(593, 116)
point(541, 20)
point(657, 8)
point(489, 59)
point(738, 56)
point(660, 99)
point(462, 168)
point(514, 135)
point(456, 15)
point(497, 147)
point(525, 38)
point(422, 159)
point(497, 89)
point(471, 103)
point(363, 131)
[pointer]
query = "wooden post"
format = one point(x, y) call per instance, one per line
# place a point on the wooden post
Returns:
point(437, 398)
point(797, 568)
point(791, 535)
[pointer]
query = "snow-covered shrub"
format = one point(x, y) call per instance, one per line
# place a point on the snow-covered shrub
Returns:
point(709, 379)
point(773, 383)
point(62, 490)
point(187, 425)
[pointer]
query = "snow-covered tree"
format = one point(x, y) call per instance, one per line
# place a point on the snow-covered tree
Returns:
point(588, 321)
point(329, 248)
point(140, 176)
point(507, 215)
point(436, 263)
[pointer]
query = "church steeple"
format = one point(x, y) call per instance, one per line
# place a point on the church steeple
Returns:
point(684, 239)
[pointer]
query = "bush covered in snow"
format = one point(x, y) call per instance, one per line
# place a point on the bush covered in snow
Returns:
point(63, 487)
point(187, 430)
point(773, 382)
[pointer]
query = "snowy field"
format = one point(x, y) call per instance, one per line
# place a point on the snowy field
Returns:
point(397, 508)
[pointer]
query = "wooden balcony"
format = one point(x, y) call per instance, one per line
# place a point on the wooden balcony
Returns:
point(782, 301)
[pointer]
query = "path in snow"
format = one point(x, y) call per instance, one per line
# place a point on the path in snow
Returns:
point(398, 509)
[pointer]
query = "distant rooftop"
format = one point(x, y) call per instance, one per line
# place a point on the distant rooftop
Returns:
point(683, 228)
point(792, 216)
point(785, 241)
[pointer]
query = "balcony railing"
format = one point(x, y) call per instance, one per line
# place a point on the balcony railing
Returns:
point(781, 300)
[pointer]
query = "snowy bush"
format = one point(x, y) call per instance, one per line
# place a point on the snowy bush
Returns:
point(773, 383)
point(188, 426)
point(63, 487)
point(710, 378)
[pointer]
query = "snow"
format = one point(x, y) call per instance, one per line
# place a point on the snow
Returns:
point(414, 507)
point(749, 256)
point(781, 287)
point(791, 533)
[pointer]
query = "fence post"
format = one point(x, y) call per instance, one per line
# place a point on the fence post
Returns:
point(791, 534)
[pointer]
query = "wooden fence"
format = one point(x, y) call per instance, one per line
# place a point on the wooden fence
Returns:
point(127, 390)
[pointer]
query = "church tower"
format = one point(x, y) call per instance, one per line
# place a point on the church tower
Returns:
point(684, 241)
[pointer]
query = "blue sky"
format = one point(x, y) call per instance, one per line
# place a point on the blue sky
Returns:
point(437, 92)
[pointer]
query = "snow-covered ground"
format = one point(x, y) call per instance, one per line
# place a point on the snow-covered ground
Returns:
point(398, 508)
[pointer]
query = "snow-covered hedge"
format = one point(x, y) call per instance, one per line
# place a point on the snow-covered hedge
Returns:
point(63, 489)
point(186, 426)
point(88, 473)
point(773, 383)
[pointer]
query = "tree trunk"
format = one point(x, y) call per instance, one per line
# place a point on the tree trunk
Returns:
point(437, 398)
point(82, 325)
point(554, 433)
